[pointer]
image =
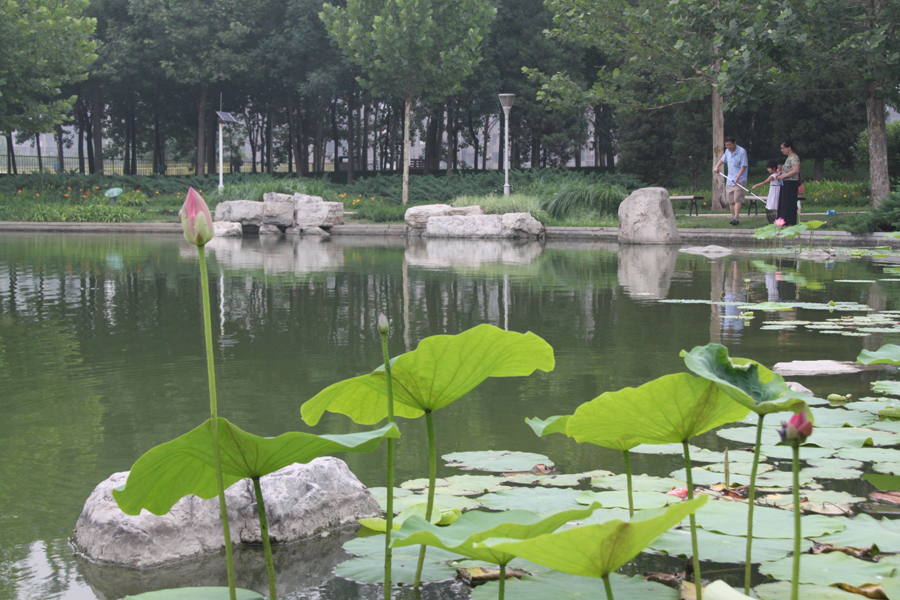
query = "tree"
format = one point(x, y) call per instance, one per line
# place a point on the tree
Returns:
point(43, 46)
point(413, 49)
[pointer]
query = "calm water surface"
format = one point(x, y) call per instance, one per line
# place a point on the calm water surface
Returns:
point(101, 358)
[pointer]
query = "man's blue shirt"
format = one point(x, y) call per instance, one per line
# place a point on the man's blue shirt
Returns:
point(735, 160)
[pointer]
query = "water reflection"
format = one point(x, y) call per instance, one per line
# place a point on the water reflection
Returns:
point(437, 253)
point(646, 271)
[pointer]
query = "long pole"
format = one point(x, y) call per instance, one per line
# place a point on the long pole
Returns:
point(221, 185)
point(506, 151)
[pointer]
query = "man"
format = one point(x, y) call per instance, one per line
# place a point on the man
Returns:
point(736, 159)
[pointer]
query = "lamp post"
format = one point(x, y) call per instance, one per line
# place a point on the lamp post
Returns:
point(224, 117)
point(506, 101)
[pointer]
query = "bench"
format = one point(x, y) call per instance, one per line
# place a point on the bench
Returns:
point(693, 200)
point(754, 203)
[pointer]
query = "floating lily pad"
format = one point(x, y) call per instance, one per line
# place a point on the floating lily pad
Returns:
point(781, 590)
point(830, 473)
point(887, 425)
point(720, 548)
point(828, 569)
point(368, 565)
point(533, 499)
point(787, 453)
point(864, 531)
point(642, 500)
point(458, 485)
point(839, 417)
point(870, 454)
point(818, 501)
point(639, 483)
point(563, 480)
point(851, 437)
point(496, 461)
point(873, 406)
point(705, 477)
point(700, 455)
point(730, 518)
point(891, 388)
point(738, 468)
point(839, 463)
point(403, 499)
point(562, 586)
point(747, 435)
point(197, 593)
point(888, 468)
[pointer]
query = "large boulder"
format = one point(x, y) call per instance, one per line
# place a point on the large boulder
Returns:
point(646, 217)
point(308, 214)
point(244, 212)
point(276, 197)
point(301, 501)
point(227, 229)
point(417, 216)
point(509, 226)
point(280, 214)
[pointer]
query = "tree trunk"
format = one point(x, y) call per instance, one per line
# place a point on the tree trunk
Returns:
point(407, 107)
point(535, 151)
point(335, 136)
point(133, 124)
point(11, 155)
point(269, 165)
point(201, 131)
point(292, 133)
point(89, 142)
point(81, 124)
point(350, 133)
point(485, 144)
point(717, 201)
point(212, 165)
point(37, 139)
point(879, 177)
point(431, 136)
point(577, 157)
point(60, 153)
point(126, 161)
point(819, 173)
point(364, 151)
point(97, 127)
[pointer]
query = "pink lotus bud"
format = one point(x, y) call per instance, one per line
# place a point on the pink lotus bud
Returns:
point(196, 221)
point(779, 222)
point(384, 326)
point(678, 492)
point(797, 428)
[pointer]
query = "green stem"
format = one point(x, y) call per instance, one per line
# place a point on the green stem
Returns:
point(214, 422)
point(751, 500)
point(432, 479)
point(628, 479)
point(795, 574)
point(502, 582)
point(698, 580)
point(389, 513)
point(608, 587)
point(264, 533)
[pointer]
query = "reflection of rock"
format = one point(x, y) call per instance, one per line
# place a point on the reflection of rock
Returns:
point(269, 230)
point(275, 256)
point(443, 253)
point(299, 566)
point(510, 225)
point(797, 368)
point(646, 217)
point(646, 271)
point(711, 251)
point(301, 501)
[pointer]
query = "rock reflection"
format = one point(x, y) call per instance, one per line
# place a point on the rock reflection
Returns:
point(275, 256)
point(444, 253)
point(645, 271)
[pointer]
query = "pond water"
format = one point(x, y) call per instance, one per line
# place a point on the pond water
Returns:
point(101, 358)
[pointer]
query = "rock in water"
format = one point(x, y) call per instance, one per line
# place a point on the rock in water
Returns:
point(646, 217)
point(301, 502)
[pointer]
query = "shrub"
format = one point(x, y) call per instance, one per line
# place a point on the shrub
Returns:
point(380, 212)
point(884, 218)
point(579, 196)
point(496, 204)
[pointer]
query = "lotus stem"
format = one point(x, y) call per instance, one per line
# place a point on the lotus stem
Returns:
point(727, 473)
point(698, 580)
point(214, 422)
point(264, 533)
point(389, 513)
point(606, 584)
point(432, 479)
point(628, 479)
point(795, 573)
point(502, 591)
point(751, 501)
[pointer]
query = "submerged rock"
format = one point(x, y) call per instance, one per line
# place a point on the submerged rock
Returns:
point(822, 367)
point(711, 251)
point(301, 502)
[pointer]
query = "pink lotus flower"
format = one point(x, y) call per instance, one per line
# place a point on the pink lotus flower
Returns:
point(196, 221)
point(798, 428)
point(678, 492)
point(779, 222)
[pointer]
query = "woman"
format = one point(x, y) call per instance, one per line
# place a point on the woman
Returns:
point(790, 177)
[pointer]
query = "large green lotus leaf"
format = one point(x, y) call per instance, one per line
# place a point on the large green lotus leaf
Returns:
point(869, 454)
point(673, 408)
point(555, 424)
point(368, 564)
point(873, 406)
point(781, 590)
point(171, 471)
point(196, 593)
point(828, 569)
point(720, 548)
point(891, 388)
point(620, 499)
point(441, 370)
point(465, 535)
point(532, 499)
point(597, 550)
point(746, 381)
point(496, 461)
point(639, 483)
point(864, 531)
point(887, 354)
point(562, 586)
point(836, 417)
point(561, 480)
point(730, 518)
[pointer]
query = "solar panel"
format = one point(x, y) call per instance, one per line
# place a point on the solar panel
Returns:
point(226, 117)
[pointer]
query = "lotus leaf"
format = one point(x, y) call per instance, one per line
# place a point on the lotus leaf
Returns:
point(532, 499)
point(719, 590)
point(701, 455)
point(702, 476)
point(891, 388)
point(723, 548)
point(672, 408)
point(829, 569)
point(597, 550)
point(864, 531)
point(496, 461)
point(887, 354)
point(464, 536)
point(562, 480)
point(438, 517)
point(781, 590)
point(171, 471)
point(562, 586)
point(870, 454)
point(829, 473)
point(885, 483)
point(442, 369)
point(892, 426)
point(640, 483)
point(838, 463)
point(555, 424)
point(368, 564)
point(620, 499)
point(730, 518)
point(442, 502)
point(196, 593)
point(738, 468)
point(887, 468)
point(842, 500)
point(786, 452)
point(459, 485)
point(838, 417)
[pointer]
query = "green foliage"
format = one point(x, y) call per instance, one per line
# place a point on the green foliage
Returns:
point(582, 196)
point(254, 189)
point(893, 149)
point(379, 212)
point(57, 213)
point(884, 218)
point(497, 204)
point(825, 194)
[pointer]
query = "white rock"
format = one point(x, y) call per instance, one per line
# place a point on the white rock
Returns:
point(819, 254)
point(301, 501)
point(822, 367)
point(304, 199)
point(510, 226)
point(519, 225)
point(797, 387)
point(318, 214)
point(711, 251)
point(269, 230)
point(278, 213)
point(417, 216)
point(646, 217)
point(244, 212)
point(276, 197)
point(312, 231)
point(227, 229)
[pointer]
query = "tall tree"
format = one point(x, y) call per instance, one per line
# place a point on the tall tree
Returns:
point(412, 49)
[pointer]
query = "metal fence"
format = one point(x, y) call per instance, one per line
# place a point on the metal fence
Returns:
point(114, 166)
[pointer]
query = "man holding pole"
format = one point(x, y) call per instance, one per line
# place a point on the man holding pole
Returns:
point(736, 159)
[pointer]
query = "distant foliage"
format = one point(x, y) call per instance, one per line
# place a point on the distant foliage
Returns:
point(494, 204)
point(884, 218)
point(56, 213)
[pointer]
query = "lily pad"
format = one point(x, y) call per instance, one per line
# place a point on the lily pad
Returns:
point(406, 499)
point(787, 453)
point(532, 499)
point(781, 590)
point(562, 480)
point(864, 531)
point(738, 468)
point(776, 479)
point(458, 485)
point(562, 586)
point(720, 548)
point(828, 569)
point(839, 417)
point(620, 499)
point(699, 455)
point(891, 388)
point(873, 406)
point(819, 501)
point(639, 483)
point(869, 454)
point(730, 518)
point(839, 463)
point(196, 593)
point(747, 435)
point(496, 461)
point(888, 468)
point(830, 473)
point(368, 565)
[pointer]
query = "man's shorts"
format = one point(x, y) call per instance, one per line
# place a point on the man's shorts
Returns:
point(734, 195)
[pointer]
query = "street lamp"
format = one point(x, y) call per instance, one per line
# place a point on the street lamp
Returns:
point(506, 101)
point(224, 117)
